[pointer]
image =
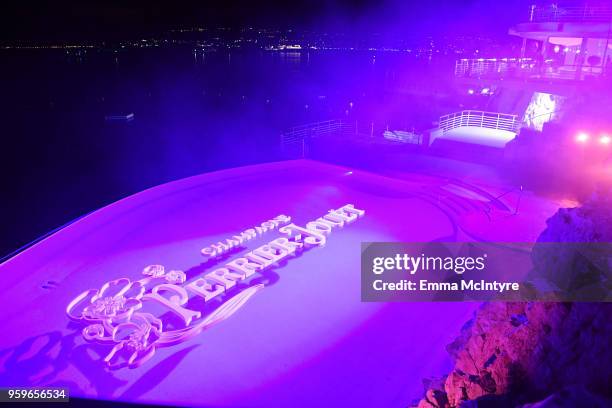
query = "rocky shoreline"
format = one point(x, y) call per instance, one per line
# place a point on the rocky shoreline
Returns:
point(536, 354)
point(511, 354)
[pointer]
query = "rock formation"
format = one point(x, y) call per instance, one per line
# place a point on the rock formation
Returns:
point(537, 354)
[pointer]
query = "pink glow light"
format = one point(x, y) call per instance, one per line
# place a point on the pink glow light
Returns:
point(604, 139)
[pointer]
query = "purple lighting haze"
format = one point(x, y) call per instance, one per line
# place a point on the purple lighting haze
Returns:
point(290, 338)
point(307, 203)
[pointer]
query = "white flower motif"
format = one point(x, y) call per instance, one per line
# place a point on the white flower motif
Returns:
point(176, 277)
point(108, 306)
point(154, 271)
point(136, 341)
point(114, 301)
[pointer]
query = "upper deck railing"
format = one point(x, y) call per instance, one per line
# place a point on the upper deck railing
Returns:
point(472, 118)
point(525, 68)
point(570, 13)
point(482, 67)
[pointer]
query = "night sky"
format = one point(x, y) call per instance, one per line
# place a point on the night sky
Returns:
point(115, 19)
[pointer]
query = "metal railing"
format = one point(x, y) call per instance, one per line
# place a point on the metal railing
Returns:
point(318, 129)
point(570, 13)
point(494, 68)
point(482, 67)
point(471, 118)
point(294, 141)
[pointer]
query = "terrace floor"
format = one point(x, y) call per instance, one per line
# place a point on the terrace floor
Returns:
point(306, 338)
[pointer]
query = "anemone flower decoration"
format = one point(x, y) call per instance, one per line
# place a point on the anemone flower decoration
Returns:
point(115, 301)
point(112, 312)
point(135, 340)
point(159, 272)
point(176, 277)
point(154, 271)
point(113, 317)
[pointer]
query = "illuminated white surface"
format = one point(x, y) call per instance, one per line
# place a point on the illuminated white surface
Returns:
point(481, 136)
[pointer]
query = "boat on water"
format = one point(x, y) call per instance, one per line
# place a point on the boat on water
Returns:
point(120, 118)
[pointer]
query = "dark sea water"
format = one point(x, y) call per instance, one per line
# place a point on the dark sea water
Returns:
point(193, 113)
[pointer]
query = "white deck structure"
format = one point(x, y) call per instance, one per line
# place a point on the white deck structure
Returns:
point(477, 127)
